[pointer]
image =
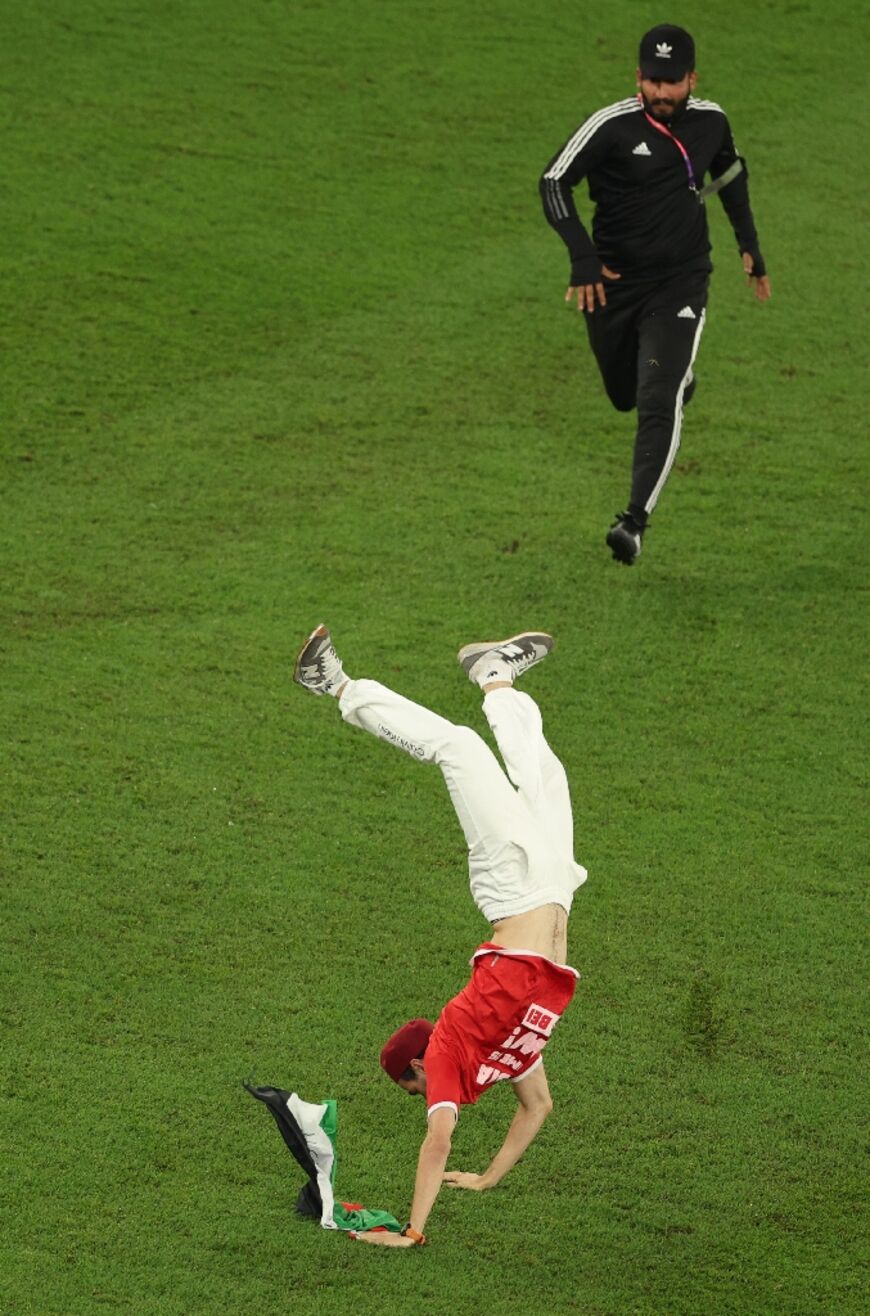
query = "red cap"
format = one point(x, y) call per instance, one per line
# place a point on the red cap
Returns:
point(405, 1045)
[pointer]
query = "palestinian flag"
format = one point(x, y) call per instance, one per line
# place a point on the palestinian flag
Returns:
point(308, 1128)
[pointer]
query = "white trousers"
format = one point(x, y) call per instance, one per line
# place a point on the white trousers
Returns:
point(520, 837)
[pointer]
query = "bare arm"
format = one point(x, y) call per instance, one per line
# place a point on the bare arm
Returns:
point(430, 1171)
point(430, 1166)
point(535, 1104)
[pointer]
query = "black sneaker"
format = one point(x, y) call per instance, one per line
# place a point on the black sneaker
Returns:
point(624, 538)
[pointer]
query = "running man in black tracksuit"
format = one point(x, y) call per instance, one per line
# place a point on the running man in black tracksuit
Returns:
point(642, 277)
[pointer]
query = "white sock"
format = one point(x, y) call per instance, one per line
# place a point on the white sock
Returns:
point(335, 685)
point(491, 668)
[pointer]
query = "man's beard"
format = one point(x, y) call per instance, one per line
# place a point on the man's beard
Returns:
point(679, 108)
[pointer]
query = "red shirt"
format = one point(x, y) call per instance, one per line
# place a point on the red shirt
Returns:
point(497, 1027)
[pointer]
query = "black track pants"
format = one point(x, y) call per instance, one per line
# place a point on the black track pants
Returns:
point(645, 340)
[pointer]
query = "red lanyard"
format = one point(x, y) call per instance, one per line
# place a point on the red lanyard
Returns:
point(660, 127)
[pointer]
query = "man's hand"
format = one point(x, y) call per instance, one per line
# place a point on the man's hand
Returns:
point(385, 1239)
point(759, 285)
point(456, 1179)
point(586, 294)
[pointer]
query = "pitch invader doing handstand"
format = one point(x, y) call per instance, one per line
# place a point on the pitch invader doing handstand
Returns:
point(519, 830)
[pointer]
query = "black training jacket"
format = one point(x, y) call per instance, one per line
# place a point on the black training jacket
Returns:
point(648, 221)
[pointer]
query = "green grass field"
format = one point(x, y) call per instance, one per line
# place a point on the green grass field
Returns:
point(283, 340)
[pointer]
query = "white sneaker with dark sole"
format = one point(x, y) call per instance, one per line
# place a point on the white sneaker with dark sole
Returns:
point(318, 667)
point(513, 656)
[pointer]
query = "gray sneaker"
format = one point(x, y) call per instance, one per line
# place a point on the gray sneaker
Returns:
point(318, 666)
point(519, 653)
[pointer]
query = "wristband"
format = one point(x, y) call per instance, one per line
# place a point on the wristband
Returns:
point(414, 1235)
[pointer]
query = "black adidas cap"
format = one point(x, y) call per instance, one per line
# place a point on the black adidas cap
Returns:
point(666, 53)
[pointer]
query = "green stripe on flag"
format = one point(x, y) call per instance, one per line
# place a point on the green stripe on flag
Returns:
point(343, 1218)
point(362, 1219)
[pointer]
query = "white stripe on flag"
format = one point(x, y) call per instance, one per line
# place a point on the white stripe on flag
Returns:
point(308, 1115)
